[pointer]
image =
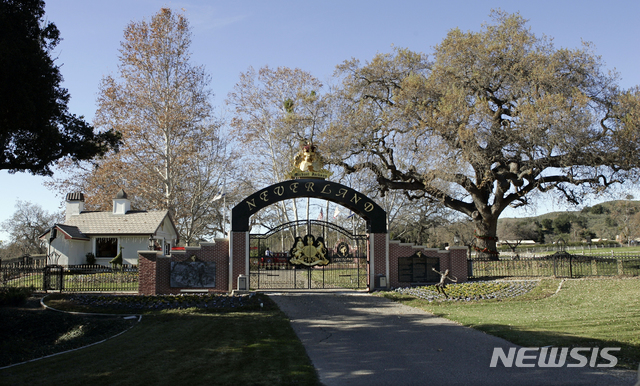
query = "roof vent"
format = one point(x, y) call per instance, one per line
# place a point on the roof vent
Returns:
point(121, 204)
point(121, 194)
point(76, 196)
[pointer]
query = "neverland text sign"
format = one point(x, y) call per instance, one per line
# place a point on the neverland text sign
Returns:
point(331, 191)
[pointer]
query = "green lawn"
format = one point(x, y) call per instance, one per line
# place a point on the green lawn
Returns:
point(112, 281)
point(585, 313)
point(183, 348)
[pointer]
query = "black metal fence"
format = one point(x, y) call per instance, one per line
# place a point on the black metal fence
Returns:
point(557, 265)
point(73, 278)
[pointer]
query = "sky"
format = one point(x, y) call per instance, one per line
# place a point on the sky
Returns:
point(228, 37)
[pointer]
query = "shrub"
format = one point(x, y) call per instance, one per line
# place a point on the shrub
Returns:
point(91, 258)
point(14, 296)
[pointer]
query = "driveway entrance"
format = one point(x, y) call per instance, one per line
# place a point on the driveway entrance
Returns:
point(355, 338)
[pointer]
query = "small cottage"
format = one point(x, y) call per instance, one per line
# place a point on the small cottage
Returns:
point(104, 235)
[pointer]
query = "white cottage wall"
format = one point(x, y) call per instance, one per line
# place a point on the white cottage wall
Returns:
point(131, 247)
point(71, 252)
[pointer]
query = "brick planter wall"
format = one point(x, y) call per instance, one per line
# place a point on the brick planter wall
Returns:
point(155, 269)
point(454, 259)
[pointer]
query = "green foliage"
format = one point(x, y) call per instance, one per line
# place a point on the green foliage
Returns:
point(35, 124)
point(587, 234)
point(562, 225)
point(566, 221)
point(547, 224)
point(288, 105)
point(596, 209)
point(117, 261)
point(12, 296)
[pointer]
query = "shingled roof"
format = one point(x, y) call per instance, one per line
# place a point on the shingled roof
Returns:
point(133, 223)
point(71, 232)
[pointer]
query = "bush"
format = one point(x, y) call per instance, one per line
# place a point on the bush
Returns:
point(91, 258)
point(13, 296)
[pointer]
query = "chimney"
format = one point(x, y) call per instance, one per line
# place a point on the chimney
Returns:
point(121, 205)
point(75, 205)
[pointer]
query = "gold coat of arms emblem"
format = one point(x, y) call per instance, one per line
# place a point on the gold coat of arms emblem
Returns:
point(308, 251)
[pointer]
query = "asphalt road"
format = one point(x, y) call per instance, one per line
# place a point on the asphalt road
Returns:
point(355, 338)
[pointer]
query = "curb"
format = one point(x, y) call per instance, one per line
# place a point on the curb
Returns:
point(124, 316)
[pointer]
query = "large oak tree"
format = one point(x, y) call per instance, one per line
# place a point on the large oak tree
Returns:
point(36, 127)
point(495, 116)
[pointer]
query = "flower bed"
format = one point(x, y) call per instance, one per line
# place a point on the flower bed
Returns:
point(473, 291)
point(141, 303)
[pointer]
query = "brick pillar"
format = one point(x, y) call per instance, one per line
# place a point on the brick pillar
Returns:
point(147, 261)
point(163, 275)
point(238, 257)
point(154, 271)
point(378, 259)
point(458, 265)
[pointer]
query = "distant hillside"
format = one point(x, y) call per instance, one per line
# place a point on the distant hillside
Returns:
point(605, 220)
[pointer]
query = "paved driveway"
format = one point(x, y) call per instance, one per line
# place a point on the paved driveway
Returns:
point(355, 338)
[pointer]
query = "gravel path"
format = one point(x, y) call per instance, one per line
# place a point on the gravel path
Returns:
point(354, 338)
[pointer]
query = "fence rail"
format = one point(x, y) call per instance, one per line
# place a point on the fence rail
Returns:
point(73, 278)
point(563, 265)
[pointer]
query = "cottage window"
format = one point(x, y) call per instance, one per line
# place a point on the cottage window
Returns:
point(106, 247)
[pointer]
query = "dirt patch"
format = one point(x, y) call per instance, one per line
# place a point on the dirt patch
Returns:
point(29, 331)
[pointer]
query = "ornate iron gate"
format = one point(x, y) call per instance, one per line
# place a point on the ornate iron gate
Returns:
point(341, 257)
point(53, 278)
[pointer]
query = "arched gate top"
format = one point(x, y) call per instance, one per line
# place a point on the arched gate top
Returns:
point(372, 213)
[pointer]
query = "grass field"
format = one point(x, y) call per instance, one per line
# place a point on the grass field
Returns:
point(585, 250)
point(183, 347)
point(584, 313)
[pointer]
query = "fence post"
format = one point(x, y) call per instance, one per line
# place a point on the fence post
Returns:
point(620, 267)
point(570, 265)
point(594, 267)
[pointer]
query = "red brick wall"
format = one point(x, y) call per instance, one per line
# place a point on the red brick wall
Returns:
point(155, 270)
point(455, 260)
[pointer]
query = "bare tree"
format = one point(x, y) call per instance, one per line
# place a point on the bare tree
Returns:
point(27, 223)
point(275, 111)
point(514, 232)
point(174, 155)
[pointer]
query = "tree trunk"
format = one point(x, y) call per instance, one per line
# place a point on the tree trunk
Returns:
point(486, 230)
